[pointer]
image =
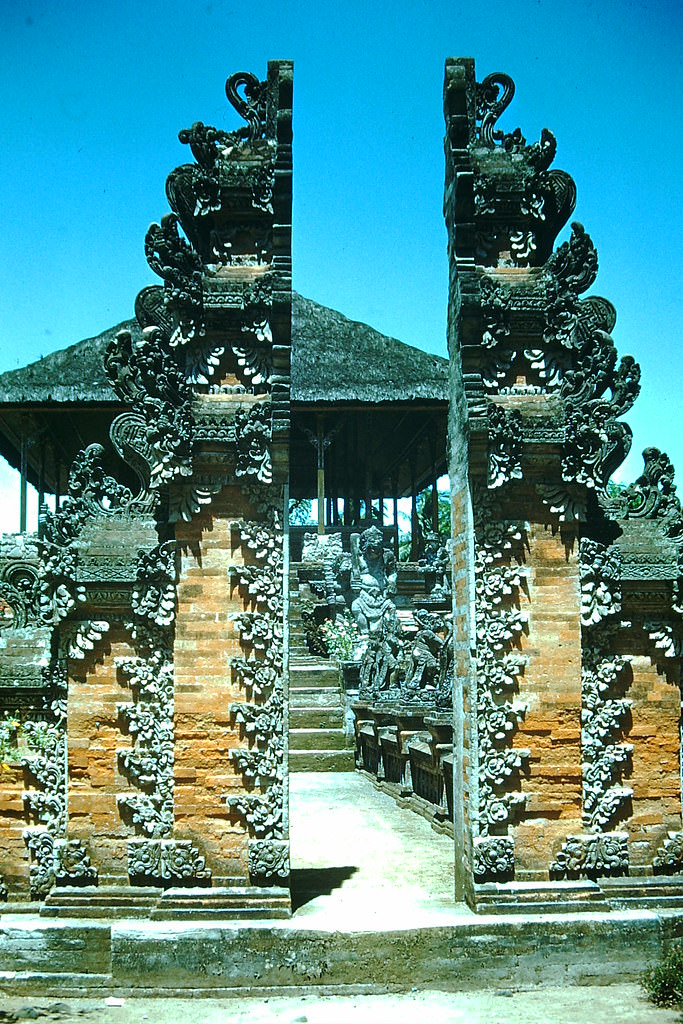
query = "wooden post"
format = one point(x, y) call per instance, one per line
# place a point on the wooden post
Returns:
point(23, 470)
point(435, 494)
point(58, 481)
point(321, 478)
point(414, 522)
point(41, 482)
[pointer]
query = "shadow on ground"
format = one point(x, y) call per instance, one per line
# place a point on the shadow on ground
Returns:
point(309, 883)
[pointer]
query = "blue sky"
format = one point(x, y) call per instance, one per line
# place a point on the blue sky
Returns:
point(94, 96)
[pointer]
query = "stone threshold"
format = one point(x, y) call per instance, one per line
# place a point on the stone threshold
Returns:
point(462, 951)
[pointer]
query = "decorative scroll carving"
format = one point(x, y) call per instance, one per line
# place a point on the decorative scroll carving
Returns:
point(149, 377)
point(602, 722)
point(600, 569)
point(493, 96)
point(253, 435)
point(154, 595)
point(494, 858)
point(261, 673)
point(575, 264)
point(498, 623)
point(46, 804)
point(251, 105)
point(565, 501)
point(82, 637)
point(186, 500)
point(669, 857)
point(164, 861)
point(268, 862)
point(56, 862)
point(149, 763)
point(666, 638)
point(652, 496)
point(592, 856)
point(505, 445)
point(173, 259)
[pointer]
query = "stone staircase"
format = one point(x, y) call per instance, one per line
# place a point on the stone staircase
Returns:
point(317, 735)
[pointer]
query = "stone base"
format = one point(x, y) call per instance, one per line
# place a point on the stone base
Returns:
point(148, 903)
point(580, 896)
point(538, 897)
point(246, 902)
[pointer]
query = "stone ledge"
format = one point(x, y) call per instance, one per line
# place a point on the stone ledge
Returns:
point(463, 951)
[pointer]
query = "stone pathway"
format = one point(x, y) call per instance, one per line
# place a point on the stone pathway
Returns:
point(363, 861)
point(624, 1004)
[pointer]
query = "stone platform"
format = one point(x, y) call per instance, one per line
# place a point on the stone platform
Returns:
point(372, 910)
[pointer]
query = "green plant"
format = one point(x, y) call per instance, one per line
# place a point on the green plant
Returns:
point(9, 728)
point(341, 637)
point(664, 983)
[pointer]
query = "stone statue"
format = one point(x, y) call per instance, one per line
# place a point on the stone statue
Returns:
point(373, 578)
point(425, 655)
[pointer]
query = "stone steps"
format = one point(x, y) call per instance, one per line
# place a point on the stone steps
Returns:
point(321, 761)
point(311, 697)
point(313, 674)
point(316, 718)
point(317, 739)
point(317, 736)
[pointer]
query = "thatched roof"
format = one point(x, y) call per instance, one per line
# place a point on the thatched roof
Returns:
point(334, 359)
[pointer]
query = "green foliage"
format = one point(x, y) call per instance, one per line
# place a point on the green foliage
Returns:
point(664, 983)
point(341, 637)
point(9, 728)
point(424, 517)
point(614, 489)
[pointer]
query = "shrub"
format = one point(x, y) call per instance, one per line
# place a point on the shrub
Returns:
point(341, 637)
point(664, 983)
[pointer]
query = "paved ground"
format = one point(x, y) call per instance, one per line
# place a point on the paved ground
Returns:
point(618, 1004)
point(356, 848)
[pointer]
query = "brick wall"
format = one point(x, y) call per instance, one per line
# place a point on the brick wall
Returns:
point(206, 640)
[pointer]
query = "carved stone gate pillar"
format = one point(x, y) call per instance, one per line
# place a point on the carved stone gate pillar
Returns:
point(156, 746)
point(553, 647)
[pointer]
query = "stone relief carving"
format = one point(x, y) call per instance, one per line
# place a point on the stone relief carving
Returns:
point(154, 595)
point(166, 860)
point(498, 623)
point(494, 857)
point(252, 438)
point(603, 719)
point(669, 857)
point(600, 570)
point(504, 445)
point(592, 856)
point(149, 720)
point(149, 377)
point(268, 862)
point(260, 672)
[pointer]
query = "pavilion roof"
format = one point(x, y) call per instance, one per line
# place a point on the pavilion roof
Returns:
point(334, 359)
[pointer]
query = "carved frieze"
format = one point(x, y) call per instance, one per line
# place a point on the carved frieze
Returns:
point(592, 856)
point(161, 861)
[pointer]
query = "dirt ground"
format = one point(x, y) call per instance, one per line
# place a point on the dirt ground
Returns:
point(614, 1004)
